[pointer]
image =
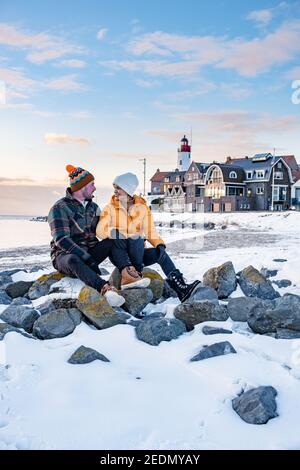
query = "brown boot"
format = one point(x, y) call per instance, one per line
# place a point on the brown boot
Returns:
point(130, 279)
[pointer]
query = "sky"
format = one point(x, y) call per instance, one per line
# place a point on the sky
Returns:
point(102, 85)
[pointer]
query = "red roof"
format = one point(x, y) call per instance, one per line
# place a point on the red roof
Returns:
point(159, 176)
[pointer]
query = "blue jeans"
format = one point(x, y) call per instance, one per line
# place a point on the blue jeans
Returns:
point(131, 252)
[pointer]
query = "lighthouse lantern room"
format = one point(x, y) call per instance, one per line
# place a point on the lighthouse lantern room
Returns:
point(184, 155)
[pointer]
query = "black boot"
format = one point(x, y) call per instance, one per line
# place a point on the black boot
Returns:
point(183, 290)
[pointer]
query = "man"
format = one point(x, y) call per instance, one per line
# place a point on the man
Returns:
point(129, 221)
point(75, 250)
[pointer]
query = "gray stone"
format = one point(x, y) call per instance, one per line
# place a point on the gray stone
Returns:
point(268, 272)
point(9, 272)
point(21, 301)
point(84, 355)
point(115, 279)
point(257, 406)
point(97, 310)
point(156, 283)
point(280, 260)
point(213, 330)
point(18, 289)
point(254, 284)
point(136, 300)
point(283, 333)
point(20, 316)
point(222, 279)
point(155, 330)
point(217, 349)
point(43, 285)
point(203, 293)
point(57, 324)
point(4, 298)
point(6, 328)
point(193, 313)
point(282, 283)
point(284, 313)
point(55, 304)
point(239, 308)
point(168, 292)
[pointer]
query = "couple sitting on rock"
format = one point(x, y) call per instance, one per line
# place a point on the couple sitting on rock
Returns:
point(83, 237)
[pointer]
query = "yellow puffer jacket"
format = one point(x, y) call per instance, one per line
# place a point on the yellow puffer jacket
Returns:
point(138, 221)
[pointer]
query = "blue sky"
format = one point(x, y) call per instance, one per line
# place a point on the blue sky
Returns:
point(101, 84)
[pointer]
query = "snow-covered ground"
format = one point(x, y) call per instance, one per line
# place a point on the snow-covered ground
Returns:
point(152, 397)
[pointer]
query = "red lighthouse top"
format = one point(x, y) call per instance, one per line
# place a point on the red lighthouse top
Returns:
point(185, 147)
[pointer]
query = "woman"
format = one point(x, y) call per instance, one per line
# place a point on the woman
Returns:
point(128, 220)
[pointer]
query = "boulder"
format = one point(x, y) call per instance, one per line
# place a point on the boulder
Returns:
point(115, 279)
point(57, 324)
point(97, 310)
point(6, 277)
point(222, 279)
point(6, 328)
point(268, 272)
point(238, 308)
point(157, 283)
point(257, 406)
point(203, 293)
point(282, 283)
point(284, 333)
point(4, 298)
point(217, 349)
point(136, 300)
point(284, 313)
point(193, 313)
point(54, 304)
point(168, 292)
point(213, 330)
point(21, 301)
point(20, 316)
point(254, 284)
point(43, 284)
point(18, 289)
point(155, 330)
point(84, 355)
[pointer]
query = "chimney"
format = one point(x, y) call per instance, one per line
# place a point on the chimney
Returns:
point(228, 159)
point(158, 170)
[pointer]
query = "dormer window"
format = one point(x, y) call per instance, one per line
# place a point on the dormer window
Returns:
point(260, 174)
point(233, 175)
point(249, 175)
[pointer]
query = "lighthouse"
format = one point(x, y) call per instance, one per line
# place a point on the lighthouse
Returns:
point(184, 155)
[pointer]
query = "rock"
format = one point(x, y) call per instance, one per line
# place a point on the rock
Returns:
point(136, 300)
point(84, 355)
point(18, 289)
point(203, 293)
point(20, 316)
point(283, 333)
point(115, 279)
point(284, 313)
point(43, 284)
point(153, 315)
point(222, 279)
point(104, 272)
point(209, 226)
point(168, 292)
point(155, 330)
point(212, 330)
point(156, 283)
point(21, 301)
point(97, 310)
point(6, 328)
point(200, 311)
point(268, 272)
point(9, 272)
point(280, 260)
point(282, 283)
point(216, 349)
point(238, 308)
point(6, 277)
point(57, 324)
point(254, 284)
point(256, 406)
point(4, 298)
point(34, 269)
point(55, 304)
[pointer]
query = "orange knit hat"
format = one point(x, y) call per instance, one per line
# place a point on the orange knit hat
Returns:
point(78, 177)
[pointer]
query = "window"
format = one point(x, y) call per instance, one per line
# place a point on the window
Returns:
point(279, 165)
point(232, 174)
point(234, 191)
point(260, 174)
point(278, 175)
point(259, 190)
point(193, 168)
point(177, 179)
point(249, 175)
point(190, 177)
point(167, 179)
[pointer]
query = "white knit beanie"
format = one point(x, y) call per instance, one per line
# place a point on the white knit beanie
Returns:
point(128, 182)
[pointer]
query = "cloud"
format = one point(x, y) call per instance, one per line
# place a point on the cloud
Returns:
point(293, 74)
point(262, 17)
point(81, 114)
point(42, 47)
point(17, 79)
point(15, 180)
point(102, 33)
point(51, 138)
point(72, 63)
point(147, 83)
point(65, 83)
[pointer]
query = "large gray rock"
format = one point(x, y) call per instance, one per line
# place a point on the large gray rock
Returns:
point(282, 283)
point(192, 313)
point(6, 277)
point(4, 298)
point(268, 272)
point(254, 284)
point(256, 406)
point(155, 330)
point(97, 310)
point(20, 316)
point(57, 324)
point(285, 313)
point(157, 283)
point(6, 328)
point(283, 333)
point(18, 289)
point(84, 355)
point(21, 301)
point(213, 330)
point(203, 293)
point(239, 308)
point(168, 292)
point(217, 349)
point(43, 285)
point(136, 300)
point(55, 304)
point(222, 279)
